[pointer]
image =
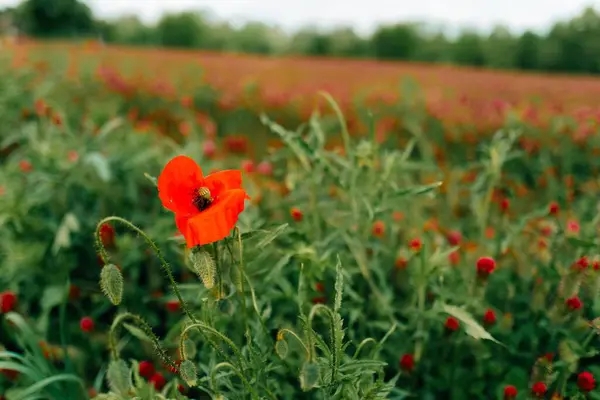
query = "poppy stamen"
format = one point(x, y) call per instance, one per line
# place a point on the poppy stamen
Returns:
point(203, 199)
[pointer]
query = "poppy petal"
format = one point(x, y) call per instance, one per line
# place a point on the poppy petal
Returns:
point(221, 181)
point(177, 183)
point(181, 221)
point(217, 221)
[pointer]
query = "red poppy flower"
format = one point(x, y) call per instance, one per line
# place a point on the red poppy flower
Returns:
point(407, 362)
point(586, 381)
point(510, 392)
point(539, 389)
point(452, 324)
point(206, 207)
point(146, 369)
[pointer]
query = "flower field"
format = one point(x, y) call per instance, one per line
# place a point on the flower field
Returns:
point(207, 226)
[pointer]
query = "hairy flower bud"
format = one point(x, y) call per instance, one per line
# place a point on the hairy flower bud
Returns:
point(111, 283)
point(204, 266)
point(187, 371)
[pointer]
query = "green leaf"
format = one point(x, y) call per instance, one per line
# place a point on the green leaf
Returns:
point(416, 190)
point(109, 127)
point(472, 327)
point(119, 377)
point(587, 244)
point(40, 385)
point(271, 235)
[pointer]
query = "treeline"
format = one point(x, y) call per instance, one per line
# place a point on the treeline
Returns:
point(568, 46)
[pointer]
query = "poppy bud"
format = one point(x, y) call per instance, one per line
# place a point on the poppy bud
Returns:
point(204, 266)
point(188, 372)
point(111, 283)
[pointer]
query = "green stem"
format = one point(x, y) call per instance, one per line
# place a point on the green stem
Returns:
point(215, 247)
point(242, 277)
point(147, 329)
point(421, 293)
point(285, 330)
point(315, 210)
point(202, 327)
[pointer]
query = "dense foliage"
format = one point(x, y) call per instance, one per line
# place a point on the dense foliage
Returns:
point(372, 261)
point(567, 46)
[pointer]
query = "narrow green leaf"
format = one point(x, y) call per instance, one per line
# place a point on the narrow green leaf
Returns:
point(472, 327)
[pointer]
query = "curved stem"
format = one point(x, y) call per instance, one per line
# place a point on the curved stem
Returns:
point(165, 265)
point(202, 326)
point(285, 330)
point(147, 329)
point(361, 345)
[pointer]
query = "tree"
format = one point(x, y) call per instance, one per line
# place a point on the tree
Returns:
point(395, 42)
point(253, 37)
point(468, 49)
point(186, 29)
point(499, 48)
point(344, 42)
point(127, 30)
point(54, 18)
point(528, 51)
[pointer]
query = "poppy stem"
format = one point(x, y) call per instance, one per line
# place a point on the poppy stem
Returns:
point(147, 329)
point(243, 274)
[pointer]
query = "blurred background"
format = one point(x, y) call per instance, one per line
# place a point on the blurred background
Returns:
point(542, 35)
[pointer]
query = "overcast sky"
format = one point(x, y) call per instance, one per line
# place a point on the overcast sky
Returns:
point(363, 15)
